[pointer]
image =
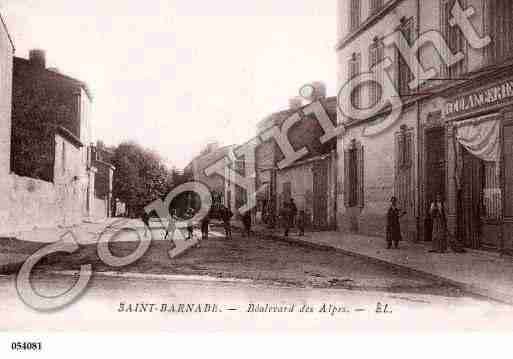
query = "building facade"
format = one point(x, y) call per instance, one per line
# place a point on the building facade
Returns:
point(51, 178)
point(195, 170)
point(103, 205)
point(6, 61)
point(311, 180)
point(453, 136)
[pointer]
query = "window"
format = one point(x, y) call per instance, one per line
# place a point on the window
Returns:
point(404, 169)
point(375, 5)
point(499, 25)
point(354, 169)
point(404, 74)
point(404, 149)
point(354, 70)
point(63, 159)
point(354, 14)
point(376, 55)
point(492, 198)
point(454, 38)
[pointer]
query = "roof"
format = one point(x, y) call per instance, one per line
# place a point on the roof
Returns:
point(70, 137)
point(214, 154)
point(47, 71)
point(277, 118)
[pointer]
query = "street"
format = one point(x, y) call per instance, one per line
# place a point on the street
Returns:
point(256, 258)
point(342, 292)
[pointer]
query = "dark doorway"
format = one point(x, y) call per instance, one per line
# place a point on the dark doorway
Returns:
point(471, 198)
point(435, 172)
point(320, 195)
point(435, 163)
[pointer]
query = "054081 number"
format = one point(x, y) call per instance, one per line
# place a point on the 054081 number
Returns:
point(26, 346)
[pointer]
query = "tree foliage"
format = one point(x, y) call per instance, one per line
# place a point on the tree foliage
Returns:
point(140, 177)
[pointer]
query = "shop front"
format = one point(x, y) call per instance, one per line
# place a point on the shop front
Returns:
point(478, 174)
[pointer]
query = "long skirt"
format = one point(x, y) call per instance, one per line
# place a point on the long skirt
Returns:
point(439, 235)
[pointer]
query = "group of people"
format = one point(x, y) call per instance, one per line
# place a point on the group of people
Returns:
point(223, 213)
point(292, 218)
point(438, 219)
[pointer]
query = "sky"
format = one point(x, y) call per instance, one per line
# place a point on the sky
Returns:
point(174, 75)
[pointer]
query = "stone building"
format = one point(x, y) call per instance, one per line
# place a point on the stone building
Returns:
point(103, 205)
point(6, 61)
point(311, 180)
point(454, 133)
point(51, 177)
point(195, 170)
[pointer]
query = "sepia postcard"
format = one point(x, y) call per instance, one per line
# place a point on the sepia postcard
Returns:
point(335, 166)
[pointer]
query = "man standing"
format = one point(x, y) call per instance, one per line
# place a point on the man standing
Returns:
point(246, 220)
point(205, 222)
point(189, 214)
point(227, 216)
point(290, 213)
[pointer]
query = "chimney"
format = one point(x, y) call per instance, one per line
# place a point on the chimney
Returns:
point(295, 103)
point(38, 58)
point(320, 90)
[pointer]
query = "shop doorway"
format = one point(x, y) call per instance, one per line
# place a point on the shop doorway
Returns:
point(481, 202)
point(435, 172)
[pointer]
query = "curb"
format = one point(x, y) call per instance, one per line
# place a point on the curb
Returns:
point(474, 290)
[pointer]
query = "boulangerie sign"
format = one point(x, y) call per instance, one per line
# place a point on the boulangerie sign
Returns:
point(483, 98)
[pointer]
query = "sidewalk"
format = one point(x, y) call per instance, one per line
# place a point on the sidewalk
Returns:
point(482, 273)
point(14, 251)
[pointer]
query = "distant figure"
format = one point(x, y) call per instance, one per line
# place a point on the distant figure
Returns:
point(146, 220)
point(393, 225)
point(227, 215)
point(205, 222)
point(246, 221)
point(437, 213)
point(290, 215)
point(301, 222)
point(189, 214)
point(171, 226)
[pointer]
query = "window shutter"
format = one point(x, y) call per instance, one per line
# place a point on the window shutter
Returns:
point(360, 177)
point(354, 70)
point(400, 151)
point(347, 179)
point(354, 22)
point(408, 160)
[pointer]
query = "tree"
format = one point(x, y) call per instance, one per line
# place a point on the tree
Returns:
point(140, 177)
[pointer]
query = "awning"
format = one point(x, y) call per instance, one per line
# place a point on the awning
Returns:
point(481, 137)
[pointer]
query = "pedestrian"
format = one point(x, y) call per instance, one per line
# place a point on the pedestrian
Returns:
point(393, 229)
point(246, 221)
point(290, 215)
point(301, 222)
point(146, 220)
point(171, 226)
point(439, 236)
point(227, 215)
point(189, 214)
point(205, 222)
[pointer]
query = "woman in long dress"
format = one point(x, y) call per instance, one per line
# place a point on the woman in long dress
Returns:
point(393, 224)
point(437, 212)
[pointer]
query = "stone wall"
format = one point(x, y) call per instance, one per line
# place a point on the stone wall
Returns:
point(100, 207)
point(379, 180)
point(6, 59)
point(31, 203)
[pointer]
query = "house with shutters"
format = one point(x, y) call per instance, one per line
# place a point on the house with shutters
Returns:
point(311, 180)
point(454, 133)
